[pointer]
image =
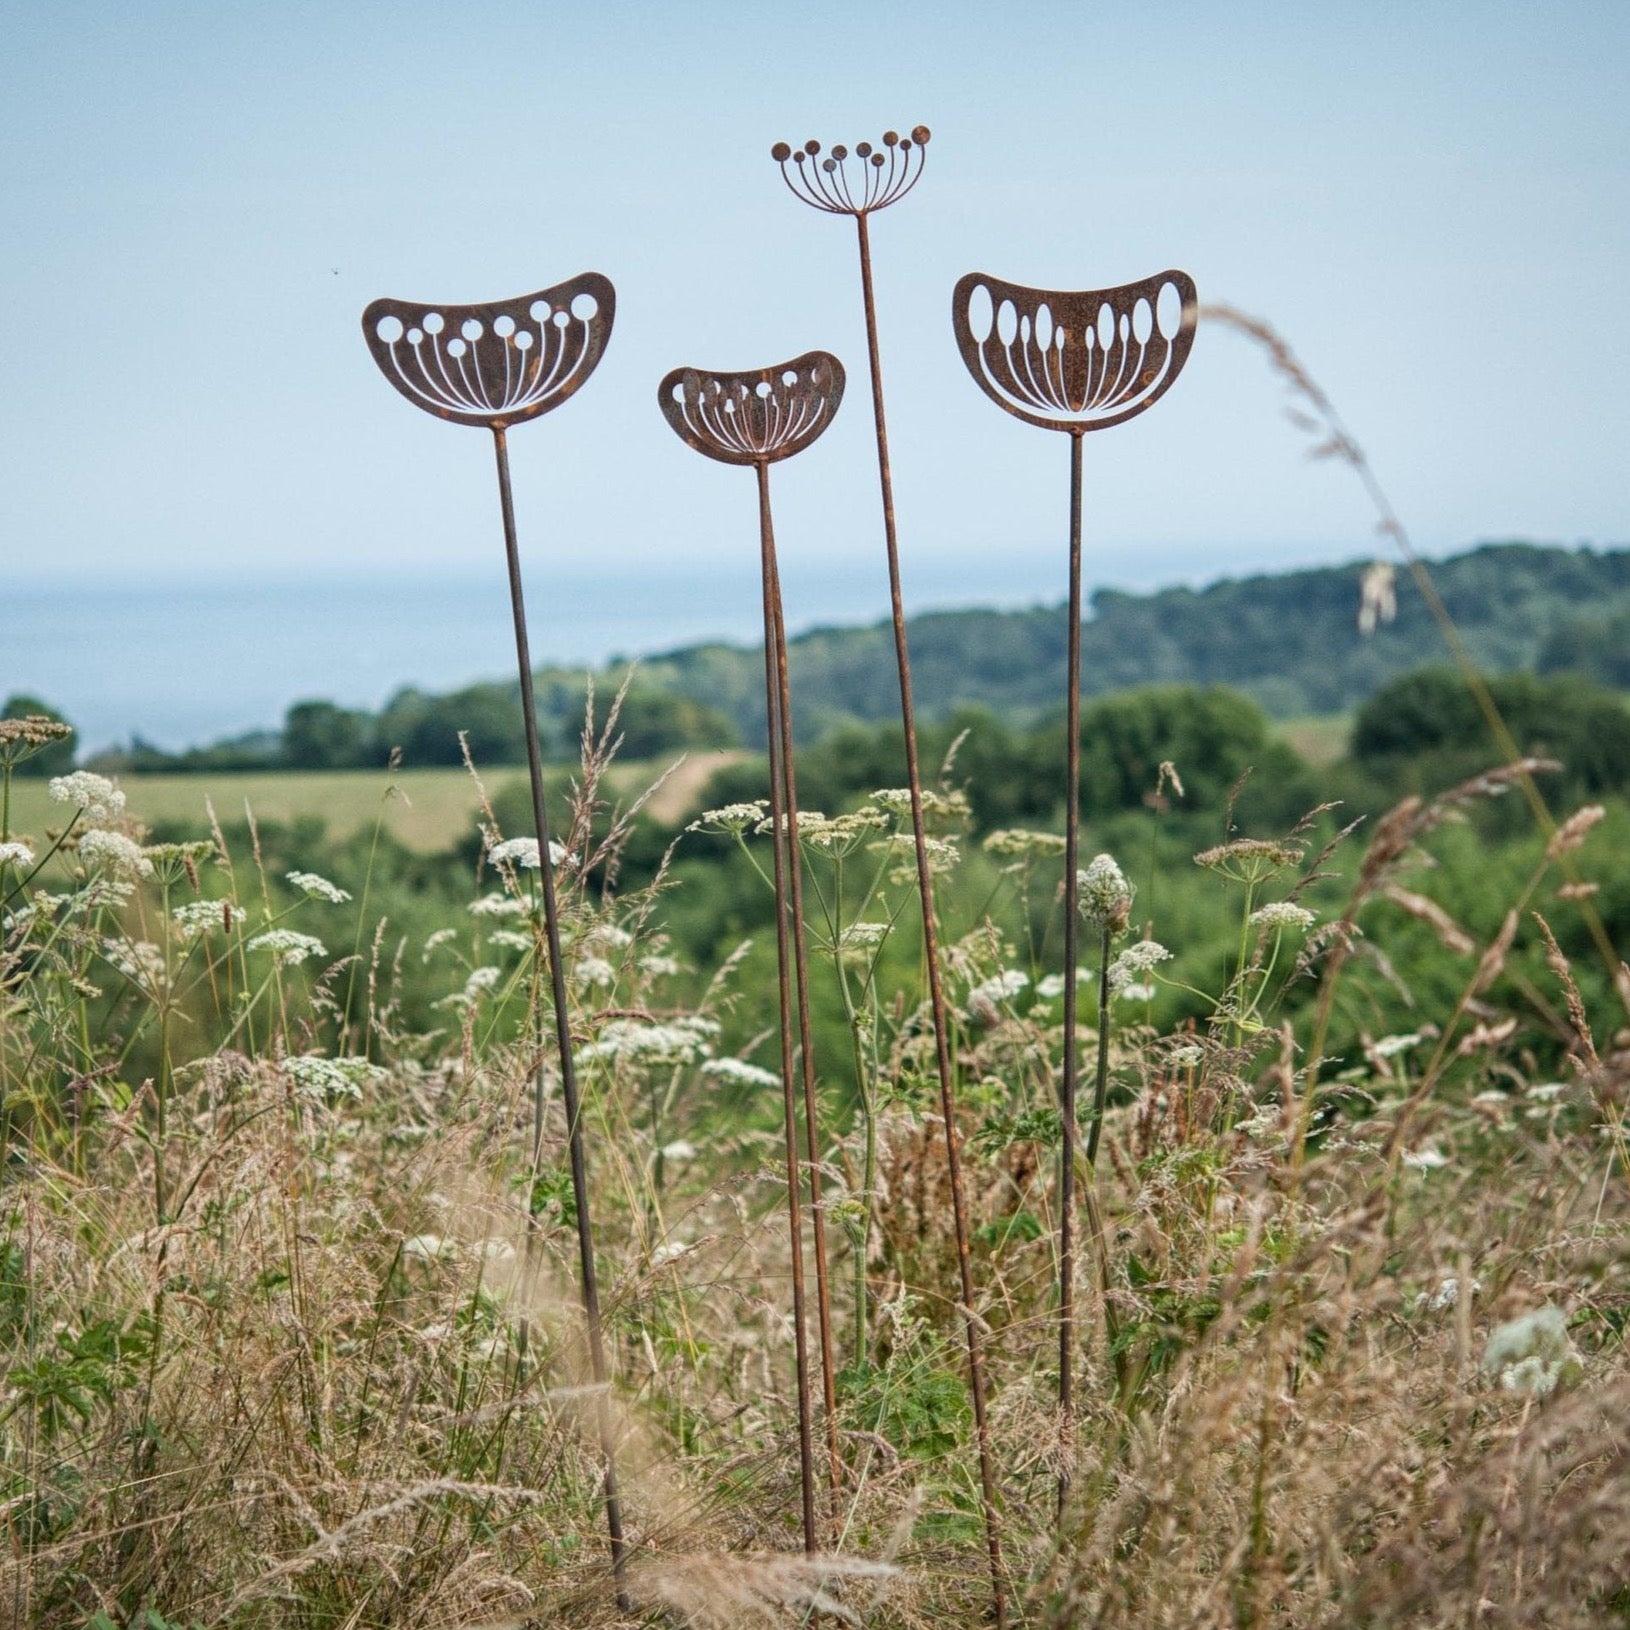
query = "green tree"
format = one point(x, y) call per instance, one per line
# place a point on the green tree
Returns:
point(321, 736)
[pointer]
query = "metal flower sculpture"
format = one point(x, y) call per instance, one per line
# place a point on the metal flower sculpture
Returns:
point(1074, 362)
point(494, 366)
point(859, 184)
point(758, 418)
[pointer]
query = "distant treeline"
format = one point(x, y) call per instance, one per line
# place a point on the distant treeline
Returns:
point(1290, 641)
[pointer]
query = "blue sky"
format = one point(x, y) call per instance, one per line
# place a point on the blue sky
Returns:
point(1429, 199)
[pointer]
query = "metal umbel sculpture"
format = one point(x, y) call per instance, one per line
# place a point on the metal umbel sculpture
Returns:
point(495, 366)
point(1074, 362)
point(758, 418)
point(859, 184)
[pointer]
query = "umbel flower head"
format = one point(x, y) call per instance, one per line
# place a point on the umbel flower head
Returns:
point(1104, 895)
point(21, 739)
point(845, 183)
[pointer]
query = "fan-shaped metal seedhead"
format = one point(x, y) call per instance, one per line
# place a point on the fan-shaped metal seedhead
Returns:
point(1075, 361)
point(844, 183)
point(494, 365)
point(757, 417)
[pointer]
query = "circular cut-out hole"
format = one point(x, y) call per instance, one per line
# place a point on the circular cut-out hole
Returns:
point(503, 327)
point(561, 319)
point(1044, 326)
point(1106, 325)
point(981, 313)
point(1169, 311)
point(539, 311)
point(789, 378)
point(585, 308)
point(762, 390)
point(1007, 322)
point(1143, 321)
point(415, 336)
point(472, 330)
point(729, 406)
point(678, 393)
point(524, 340)
point(434, 322)
point(389, 329)
point(455, 348)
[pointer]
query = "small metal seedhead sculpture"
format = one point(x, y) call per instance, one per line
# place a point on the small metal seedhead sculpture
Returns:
point(758, 418)
point(1075, 361)
point(841, 183)
point(858, 184)
point(494, 366)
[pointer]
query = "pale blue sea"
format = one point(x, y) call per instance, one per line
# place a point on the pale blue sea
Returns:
point(186, 660)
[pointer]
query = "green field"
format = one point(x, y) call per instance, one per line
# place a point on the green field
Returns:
point(1320, 738)
point(426, 809)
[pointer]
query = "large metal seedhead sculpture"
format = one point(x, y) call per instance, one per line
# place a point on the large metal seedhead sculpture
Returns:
point(758, 418)
point(859, 184)
point(1074, 361)
point(493, 366)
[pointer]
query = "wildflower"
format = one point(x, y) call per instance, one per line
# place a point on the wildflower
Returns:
point(1392, 1046)
point(493, 1250)
point(1427, 1158)
point(594, 970)
point(1190, 1056)
point(1135, 960)
point(22, 738)
point(195, 918)
point(741, 1072)
point(483, 978)
point(523, 853)
point(1249, 860)
point(16, 854)
point(497, 905)
point(509, 940)
point(609, 935)
point(95, 795)
point(901, 848)
point(1104, 895)
point(841, 835)
point(1141, 991)
point(670, 1250)
point(1280, 915)
point(937, 806)
point(315, 1076)
point(288, 948)
point(1446, 1295)
point(436, 941)
point(679, 1149)
point(1532, 1354)
point(1377, 596)
point(318, 888)
point(1051, 987)
point(731, 818)
point(140, 961)
point(659, 966)
point(681, 1041)
point(1016, 843)
point(121, 855)
point(1002, 988)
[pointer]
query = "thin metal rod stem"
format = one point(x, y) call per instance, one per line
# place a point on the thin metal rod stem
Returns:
point(778, 823)
point(563, 1038)
point(1072, 945)
point(936, 994)
point(800, 965)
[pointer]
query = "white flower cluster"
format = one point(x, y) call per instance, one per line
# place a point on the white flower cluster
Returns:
point(509, 940)
point(1016, 843)
point(119, 854)
point(16, 854)
point(140, 961)
point(859, 941)
point(901, 847)
point(842, 834)
point(94, 794)
point(523, 853)
point(435, 942)
point(315, 1076)
point(1282, 914)
point(287, 947)
point(729, 818)
point(318, 888)
point(1103, 893)
point(1428, 1158)
point(741, 1072)
point(1533, 1354)
point(680, 1041)
point(1135, 961)
point(591, 971)
point(1002, 987)
point(195, 918)
point(497, 905)
point(1051, 986)
point(659, 966)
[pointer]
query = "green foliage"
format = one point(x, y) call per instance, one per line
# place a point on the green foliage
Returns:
point(320, 736)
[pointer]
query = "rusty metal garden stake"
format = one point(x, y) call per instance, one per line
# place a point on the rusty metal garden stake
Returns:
point(758, 418)
point(494, 366)
point(1073, 362)
point(860, 184)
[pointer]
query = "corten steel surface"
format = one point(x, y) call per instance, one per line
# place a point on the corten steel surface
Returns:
point(758, 418)
point(860, 183)
point(494, 366)
point(499, 364)
point(1076, 362)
